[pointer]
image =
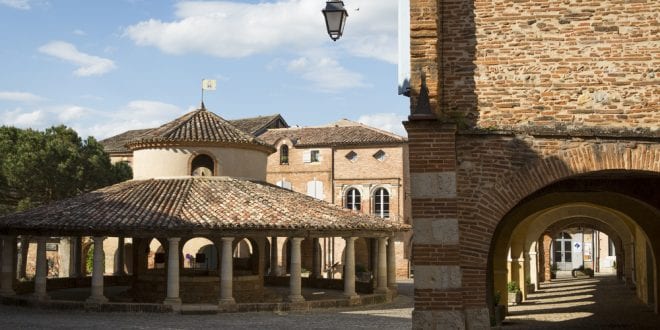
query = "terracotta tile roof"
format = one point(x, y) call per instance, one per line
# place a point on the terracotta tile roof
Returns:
point(343, 132)
point(117, 143)
point(199, 126)
point(191, 204)
point(257, 125)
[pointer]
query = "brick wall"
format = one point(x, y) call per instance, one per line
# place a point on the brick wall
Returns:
point(560, 64)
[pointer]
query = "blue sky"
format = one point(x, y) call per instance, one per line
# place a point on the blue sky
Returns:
point(103, 67)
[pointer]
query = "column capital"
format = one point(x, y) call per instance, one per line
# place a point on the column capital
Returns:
point(225, 239)
point(297, 239)
point(174, 239)
point(351, 238)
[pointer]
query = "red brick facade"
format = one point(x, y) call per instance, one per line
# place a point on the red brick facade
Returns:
point(522, 94)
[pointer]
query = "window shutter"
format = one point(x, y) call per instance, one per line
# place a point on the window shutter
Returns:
point(319, 190)
point(315, 189)
point(307, 156)
point(286, 185)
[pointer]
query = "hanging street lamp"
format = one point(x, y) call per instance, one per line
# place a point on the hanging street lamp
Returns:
point(335, 17)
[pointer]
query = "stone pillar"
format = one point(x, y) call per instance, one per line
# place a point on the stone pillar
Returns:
point(547, 267)
point(227, 273)
point(98, 269)
point(121, 257)
point(533, 270)
point(349, 268)
point(23, 254)
point(41, 270)
point(172, 273)
point(274, 269)
point(629, 271)
point(391, 265)
point(316, 259)
point(7, 273)
point(64, 253)
point(382, 266)
point(295, 282)
point(76, 257)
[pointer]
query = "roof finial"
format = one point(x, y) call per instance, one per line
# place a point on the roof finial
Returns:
point(207, 84)
point(202, 107)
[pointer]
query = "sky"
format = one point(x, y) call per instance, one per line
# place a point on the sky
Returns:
point(104, 67)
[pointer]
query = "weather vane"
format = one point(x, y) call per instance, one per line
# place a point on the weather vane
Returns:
point(207, 84)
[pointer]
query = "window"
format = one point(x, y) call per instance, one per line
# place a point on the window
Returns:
point(202, 165)
point(382, 203)
point(315, 189)
point(352, 156)
point(284, 154)
point(380, 155)
point(311, 156)
point(284, 184)
point(352, 199)
point(315, 156)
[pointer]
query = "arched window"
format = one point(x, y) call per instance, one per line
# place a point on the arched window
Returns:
point(202, 165)
point(352, 199)
point(284, 154)
point(382, 203)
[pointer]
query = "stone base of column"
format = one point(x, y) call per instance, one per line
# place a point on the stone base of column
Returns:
point(40, 296)
point(295, 298)
point(382, 290)
point(227, 305)
point(96, 300)
point(175, 303)
point(353, 300)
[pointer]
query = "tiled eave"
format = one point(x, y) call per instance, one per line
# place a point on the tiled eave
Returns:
point(195, 206)
point(162, 143)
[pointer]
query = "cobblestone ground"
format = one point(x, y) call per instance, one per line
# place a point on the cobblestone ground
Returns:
point(395, 315)
point(602, 302)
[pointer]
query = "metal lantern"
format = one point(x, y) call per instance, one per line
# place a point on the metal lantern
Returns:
point(335, 17)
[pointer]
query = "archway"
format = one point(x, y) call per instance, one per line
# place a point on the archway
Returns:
point(199, 253)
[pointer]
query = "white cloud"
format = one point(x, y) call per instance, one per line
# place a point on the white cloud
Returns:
point(19, 96)
point(16, 4)
point(79, 32)
point(326, 74)
point(22, 118)
point(136, 114)
point(233, 29)
point(89, 65)
point(390, 122)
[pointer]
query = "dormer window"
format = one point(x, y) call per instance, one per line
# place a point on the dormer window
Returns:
point(380, 155)
point(352, 156)
point(202, 165)
point(284, 155)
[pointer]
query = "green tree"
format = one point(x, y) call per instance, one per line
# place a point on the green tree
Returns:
point(41, 167)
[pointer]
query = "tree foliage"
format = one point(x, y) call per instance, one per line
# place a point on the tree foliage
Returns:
point(38, 167)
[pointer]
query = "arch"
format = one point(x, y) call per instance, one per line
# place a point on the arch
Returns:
point(245, 256)
point(199, 253)
point(202, 164)
point(156, 256)
point(352, 199)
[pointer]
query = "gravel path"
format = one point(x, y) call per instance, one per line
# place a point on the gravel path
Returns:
point(395, 315)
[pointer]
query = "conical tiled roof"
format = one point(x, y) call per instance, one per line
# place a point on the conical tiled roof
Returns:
point(196, 127)
point(189, 205)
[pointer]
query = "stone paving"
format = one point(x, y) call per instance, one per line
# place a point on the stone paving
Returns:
point(395, 315)
point(601, 302)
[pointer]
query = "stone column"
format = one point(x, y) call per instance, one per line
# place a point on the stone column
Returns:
point(295, 282)
point(316, 259)
point(227, 273)
point(547, 267)
point(98, 269)
point(533, 270)
point(76, 257)
point(41, 270)
point(121, 257)
point(629, 271)
point(172, 272)
point(382, 266)
point(22, 260)
point(391, 265)
point(274, 269)
point(349, 268)
point(7, 273)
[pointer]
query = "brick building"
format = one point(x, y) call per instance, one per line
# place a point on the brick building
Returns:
point(529, 117)
point(348, 164)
